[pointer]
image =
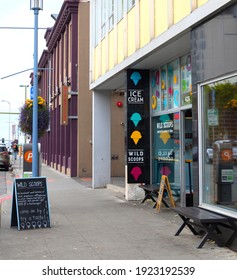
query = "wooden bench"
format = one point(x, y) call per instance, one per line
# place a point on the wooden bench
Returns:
point(207, 221)
point(151, 192)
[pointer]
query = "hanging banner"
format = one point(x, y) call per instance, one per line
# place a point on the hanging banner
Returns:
point(138, 126)
point(64, 106)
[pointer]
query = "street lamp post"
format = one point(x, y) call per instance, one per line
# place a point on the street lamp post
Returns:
point(9, 133)
point(35, 5)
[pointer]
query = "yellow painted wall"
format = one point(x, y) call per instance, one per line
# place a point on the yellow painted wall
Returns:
point(201, 2)
point(144, 23)
point(131, 32)
point(96, 65)
point(120, 39)
point(181, 9)
point(111, 48)
point(94, 74)
point(104, 55)
point(161, 16)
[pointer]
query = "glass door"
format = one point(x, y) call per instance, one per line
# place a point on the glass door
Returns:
point(166, 150)
point(173, 153)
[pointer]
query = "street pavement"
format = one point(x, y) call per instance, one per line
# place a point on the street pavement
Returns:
point(99, 224)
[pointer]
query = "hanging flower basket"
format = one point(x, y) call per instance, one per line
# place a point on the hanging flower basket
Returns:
point(26, 117)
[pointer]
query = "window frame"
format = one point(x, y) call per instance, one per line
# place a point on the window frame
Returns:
point(130, 4)
point(201, 145)
point(111, 10)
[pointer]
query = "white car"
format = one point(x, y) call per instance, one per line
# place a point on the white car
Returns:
point(209, 155)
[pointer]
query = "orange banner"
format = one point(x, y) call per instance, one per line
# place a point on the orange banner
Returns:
point(64, 105)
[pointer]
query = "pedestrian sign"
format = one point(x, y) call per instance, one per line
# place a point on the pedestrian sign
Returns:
point(213, 117)
point(32, 93)
point(30, 203)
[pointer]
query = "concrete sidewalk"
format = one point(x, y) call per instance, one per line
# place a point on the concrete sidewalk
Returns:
point(90, 224)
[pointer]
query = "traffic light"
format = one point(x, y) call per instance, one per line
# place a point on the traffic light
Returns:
point(3, 140)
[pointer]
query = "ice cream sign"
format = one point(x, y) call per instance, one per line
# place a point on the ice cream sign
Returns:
point(138, 130)
point(136, 118)
point(135, 96)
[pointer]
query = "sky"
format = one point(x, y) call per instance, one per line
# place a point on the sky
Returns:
point(16, 54)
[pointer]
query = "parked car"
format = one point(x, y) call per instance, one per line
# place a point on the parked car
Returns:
point(4, 157)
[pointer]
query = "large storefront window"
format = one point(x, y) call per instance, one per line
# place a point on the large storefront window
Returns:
point(171, 88)
point(173, 83)
point(186, 80)
point(155, 91)
point(219, 151)
point(168, 82)
point(164, 93)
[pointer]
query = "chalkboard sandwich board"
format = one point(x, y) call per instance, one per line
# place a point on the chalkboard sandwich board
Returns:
point(30, 203)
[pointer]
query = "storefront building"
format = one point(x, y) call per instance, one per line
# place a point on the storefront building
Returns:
point(64, 83)
point(189, 52)
point(66, 146)
point(214, 76)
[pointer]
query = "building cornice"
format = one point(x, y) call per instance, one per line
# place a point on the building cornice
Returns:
point(43, 59)
point(68, 8)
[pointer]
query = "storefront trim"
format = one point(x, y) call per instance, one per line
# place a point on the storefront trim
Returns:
point(201, 159)
point(142, 57)
point(219, 210)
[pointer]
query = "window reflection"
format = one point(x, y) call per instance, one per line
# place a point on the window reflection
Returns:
point(186, 80)
point(220, 143)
